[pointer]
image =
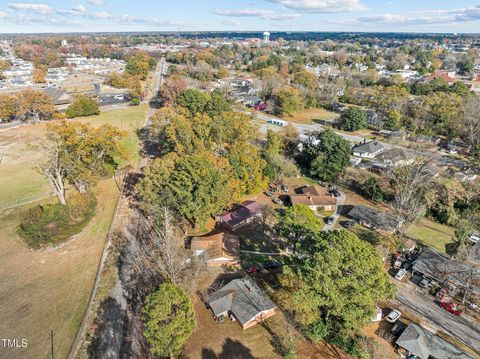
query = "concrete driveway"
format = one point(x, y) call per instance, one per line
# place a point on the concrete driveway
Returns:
point(340, 202)
point(411, 298)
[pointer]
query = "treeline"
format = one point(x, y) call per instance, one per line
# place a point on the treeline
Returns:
point(139, 64)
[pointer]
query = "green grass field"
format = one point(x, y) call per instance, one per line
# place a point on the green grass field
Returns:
point(432, 234)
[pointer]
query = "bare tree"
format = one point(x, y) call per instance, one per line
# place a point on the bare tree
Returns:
point(409, 184)
point(471, 120)
point(54, 169)
point(160, 249)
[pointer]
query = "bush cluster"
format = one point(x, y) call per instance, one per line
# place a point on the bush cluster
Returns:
point(51, 224)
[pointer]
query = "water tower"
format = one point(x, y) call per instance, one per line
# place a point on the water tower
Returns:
point(266, 37)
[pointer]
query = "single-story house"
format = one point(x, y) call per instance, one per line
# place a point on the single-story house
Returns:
point(374, 219)
point(315, 197)
point(243, 300)
point(239, 216)
point(220, 249)
point(399, 135)
point(368, 150)
point(394, 157)
point(423, 344)
point(60, 97)
point(445, 271)
point(426, 139)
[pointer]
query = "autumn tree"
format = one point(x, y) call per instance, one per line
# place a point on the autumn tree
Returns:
point(35, 104)
point(9, 107)
point(288, 100)
point(80, 154)
point(248, 167)
point(169, 319)
point(39, 75)
point(171, 88)
point(193, 100)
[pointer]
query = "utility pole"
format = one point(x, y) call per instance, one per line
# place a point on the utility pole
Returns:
point(51, 341)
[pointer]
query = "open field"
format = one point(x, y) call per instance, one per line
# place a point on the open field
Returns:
point(432, 234)
point(311, 115)
point(21, 149)
point(40, 291)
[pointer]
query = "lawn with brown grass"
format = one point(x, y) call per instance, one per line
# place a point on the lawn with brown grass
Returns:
point(46, 290)
point(49, 290)
point(308, 116)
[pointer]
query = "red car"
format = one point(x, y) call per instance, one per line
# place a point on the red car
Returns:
point(253, 269)
point(452, 308)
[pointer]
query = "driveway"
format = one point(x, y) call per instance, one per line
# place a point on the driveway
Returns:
point(411, 298)
point(340, 202)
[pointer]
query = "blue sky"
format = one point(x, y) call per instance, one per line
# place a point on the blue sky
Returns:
point(254, 15)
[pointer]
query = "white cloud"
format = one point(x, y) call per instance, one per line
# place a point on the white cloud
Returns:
point(36, 8)
point(322, 6)
point(3, 14)
point(99, 15)
point(79, 8)
point(95, 2)
point(230, 22)
point(245, 12)
point(260, 13)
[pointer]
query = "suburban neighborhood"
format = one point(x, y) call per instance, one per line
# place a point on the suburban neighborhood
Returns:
point(308, 191)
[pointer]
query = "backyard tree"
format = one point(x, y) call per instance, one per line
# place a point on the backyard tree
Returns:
point(328, 157)
point(197, 186)
point(169, 320)
point(353, 119)
point(371, 188)
point(296, 222)
point(334, 282)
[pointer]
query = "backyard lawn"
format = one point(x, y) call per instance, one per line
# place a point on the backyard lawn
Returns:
point(432, 234)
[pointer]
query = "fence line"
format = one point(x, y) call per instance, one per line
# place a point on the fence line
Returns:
point(20, 202)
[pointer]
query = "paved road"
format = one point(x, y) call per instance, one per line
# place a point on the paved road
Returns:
point(466, 329)
point(305, 129)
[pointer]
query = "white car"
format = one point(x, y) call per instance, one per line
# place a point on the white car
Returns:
point(393, 316)
point(400, 274)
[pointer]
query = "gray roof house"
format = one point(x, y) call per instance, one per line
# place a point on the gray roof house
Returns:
point(394, 157)
point(243, 299)
point(374, 219)
point(443, 270)
point(60, 97)
point(423, 344)
point(368, 150)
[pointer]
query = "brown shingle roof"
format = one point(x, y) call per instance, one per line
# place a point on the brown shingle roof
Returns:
point(313, 196)
point(225, 245)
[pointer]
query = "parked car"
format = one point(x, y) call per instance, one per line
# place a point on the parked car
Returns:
point(330, 220)
point(272, 265)
point(285, 188)
point(424, 283)
point(400, 274)
point(451, 307)
point(269, 194)
point(334, 192)
point(393, 316)
point(277, 201)
point(253, 269)
point(349, 224)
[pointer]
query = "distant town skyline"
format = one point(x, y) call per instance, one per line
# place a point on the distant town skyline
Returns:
point(221, 15)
